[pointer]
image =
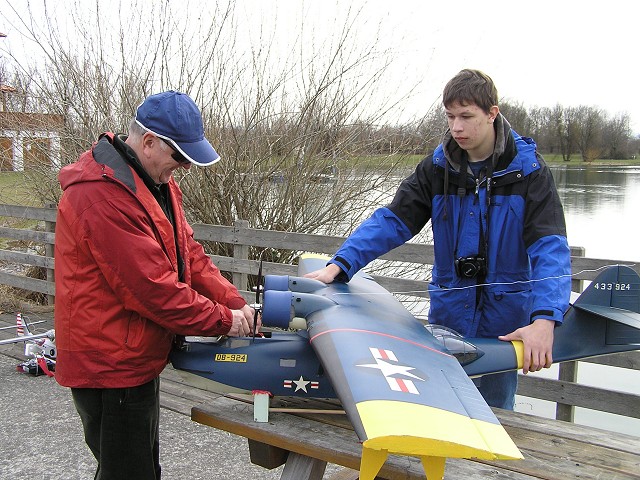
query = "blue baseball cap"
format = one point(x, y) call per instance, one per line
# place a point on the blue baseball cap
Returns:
point(174, 117)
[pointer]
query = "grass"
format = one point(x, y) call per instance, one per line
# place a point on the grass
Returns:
point(376, 161)
point(15, 189)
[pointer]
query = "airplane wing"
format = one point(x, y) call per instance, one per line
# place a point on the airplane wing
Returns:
point(403, 393)
point(26, 338)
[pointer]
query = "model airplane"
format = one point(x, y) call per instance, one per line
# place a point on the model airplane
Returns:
point(39, 348)
point(405, 387)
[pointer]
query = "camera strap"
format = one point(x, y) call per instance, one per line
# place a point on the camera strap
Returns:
point(483, 240)
point(489, 180)
point(462, 191)
point(462, 177)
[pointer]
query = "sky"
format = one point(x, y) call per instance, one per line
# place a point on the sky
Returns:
point(538, 53)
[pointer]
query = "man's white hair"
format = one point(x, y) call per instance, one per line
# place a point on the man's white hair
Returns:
point(135, 130)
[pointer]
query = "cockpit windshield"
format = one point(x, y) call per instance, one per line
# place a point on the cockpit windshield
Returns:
point(455, 344)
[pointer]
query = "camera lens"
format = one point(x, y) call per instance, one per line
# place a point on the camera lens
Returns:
point(470, 267)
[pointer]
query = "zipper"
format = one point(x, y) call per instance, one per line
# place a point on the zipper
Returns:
point(479, 182)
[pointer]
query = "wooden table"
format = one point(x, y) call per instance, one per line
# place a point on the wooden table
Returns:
point(306, 442)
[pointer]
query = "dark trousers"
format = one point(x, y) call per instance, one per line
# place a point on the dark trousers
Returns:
point(121, 429)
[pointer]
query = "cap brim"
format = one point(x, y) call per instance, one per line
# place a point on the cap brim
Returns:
point(199, 153)
point(201, 150)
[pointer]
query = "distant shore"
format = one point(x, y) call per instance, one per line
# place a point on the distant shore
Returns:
point(576, 160)
point(377, 161)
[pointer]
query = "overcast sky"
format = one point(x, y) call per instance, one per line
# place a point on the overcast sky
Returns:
point(539, 53)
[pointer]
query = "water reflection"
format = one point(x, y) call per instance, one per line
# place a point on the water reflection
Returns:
point(600, 206)
point(582, 189)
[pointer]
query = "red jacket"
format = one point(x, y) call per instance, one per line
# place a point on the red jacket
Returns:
point(119, 301)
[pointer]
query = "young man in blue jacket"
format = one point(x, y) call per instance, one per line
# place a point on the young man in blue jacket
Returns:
point(502, 263)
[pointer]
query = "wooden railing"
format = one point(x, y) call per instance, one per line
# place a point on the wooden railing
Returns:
point(565, 392)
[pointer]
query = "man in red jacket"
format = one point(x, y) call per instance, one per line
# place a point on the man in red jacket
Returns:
point(129, 277)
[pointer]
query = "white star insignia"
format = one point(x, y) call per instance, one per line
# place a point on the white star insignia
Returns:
point(388, 369)
point(301, 384)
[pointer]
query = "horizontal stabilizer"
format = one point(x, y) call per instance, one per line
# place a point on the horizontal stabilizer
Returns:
point(622, 316)
point(613, 302)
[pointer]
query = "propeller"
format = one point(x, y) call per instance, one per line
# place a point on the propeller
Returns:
point(257, 306)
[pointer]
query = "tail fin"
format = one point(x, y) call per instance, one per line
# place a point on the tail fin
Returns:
point(604, 319)
point(618, 286)
point(614, 295)
point(22, 325)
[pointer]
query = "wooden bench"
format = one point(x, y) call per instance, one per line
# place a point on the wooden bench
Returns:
point(306, 442)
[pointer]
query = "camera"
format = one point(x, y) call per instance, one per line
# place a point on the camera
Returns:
point(470, 267)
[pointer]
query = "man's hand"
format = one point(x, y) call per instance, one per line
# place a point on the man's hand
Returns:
point(243, 322)
point(537, 339)
point(326, 274)
point(249, 314)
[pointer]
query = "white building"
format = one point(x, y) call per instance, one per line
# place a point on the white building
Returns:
point(29, 140)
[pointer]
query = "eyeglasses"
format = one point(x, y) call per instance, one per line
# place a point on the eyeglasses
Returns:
point(177, 156)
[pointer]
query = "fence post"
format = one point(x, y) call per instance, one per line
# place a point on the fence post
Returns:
point(49, 252)
point(568, 371)
point(240, 252)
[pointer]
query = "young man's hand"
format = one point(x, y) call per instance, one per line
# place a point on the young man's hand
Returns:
point(326, 274)
point(537, 339)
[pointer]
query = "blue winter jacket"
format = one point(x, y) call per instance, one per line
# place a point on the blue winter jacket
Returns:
point(528, 261)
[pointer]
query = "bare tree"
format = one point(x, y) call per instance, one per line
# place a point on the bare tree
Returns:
point(517, 116)
point(290, 126)
point(561, 124)
point(616, 135)
point(589, 121)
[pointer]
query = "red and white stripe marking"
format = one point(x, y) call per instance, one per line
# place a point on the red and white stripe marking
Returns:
point(383, 354)
point(395, 384)
point(400, 385)
point(19, 325)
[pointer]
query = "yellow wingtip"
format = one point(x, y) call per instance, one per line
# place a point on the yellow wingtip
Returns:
point(419, 430)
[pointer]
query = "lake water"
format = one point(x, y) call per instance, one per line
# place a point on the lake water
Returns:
point(601, 209)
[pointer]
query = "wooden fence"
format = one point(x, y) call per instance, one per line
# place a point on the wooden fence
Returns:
point(37, 226)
